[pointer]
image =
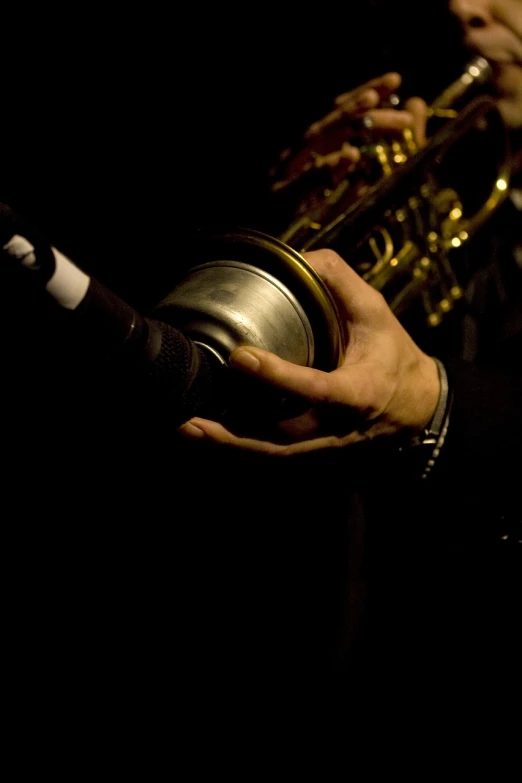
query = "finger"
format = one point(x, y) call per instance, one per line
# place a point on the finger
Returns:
point(204, 429)
point(321, 125)
point(344, 122)
point(347, 154)
point(391, 120)
point(358, 101)
point(384, 85)
point(345, 387)
point(306, 382)
point(356, 299)
point(352, 106)
point(419, 111)
point(304, 161)
point(365, 97)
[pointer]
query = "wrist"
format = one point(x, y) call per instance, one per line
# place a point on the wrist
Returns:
point(433, 392)
point(433, 426)
point(433, 435)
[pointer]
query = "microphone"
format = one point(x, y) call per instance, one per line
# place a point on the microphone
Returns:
point(153, 354)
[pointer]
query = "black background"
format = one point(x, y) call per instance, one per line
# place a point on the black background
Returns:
point(122, 131)
point(143, 587)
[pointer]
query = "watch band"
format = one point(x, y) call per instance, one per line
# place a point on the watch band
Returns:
point(430, 434)
point(434, 435)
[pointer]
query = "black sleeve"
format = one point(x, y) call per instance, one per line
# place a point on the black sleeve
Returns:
point(477, 475)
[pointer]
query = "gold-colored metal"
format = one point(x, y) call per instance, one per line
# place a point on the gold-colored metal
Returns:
point(250, 288)
point(420, 220)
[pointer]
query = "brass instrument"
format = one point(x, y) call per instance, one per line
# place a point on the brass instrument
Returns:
point(250, 288)
point(408, 250)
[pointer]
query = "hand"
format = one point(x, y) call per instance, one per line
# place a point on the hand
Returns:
point(385, 383)
point(327, 143)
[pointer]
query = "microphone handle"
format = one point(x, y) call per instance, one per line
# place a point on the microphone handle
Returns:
point(152, 356)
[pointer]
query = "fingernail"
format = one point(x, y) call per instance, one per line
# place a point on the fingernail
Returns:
point(245, 359)
point(191, 431)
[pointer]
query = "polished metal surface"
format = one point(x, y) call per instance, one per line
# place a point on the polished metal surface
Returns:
point(225, 304)
point(255, 290)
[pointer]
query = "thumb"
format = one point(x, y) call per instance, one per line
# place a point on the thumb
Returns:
point(305, 382)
